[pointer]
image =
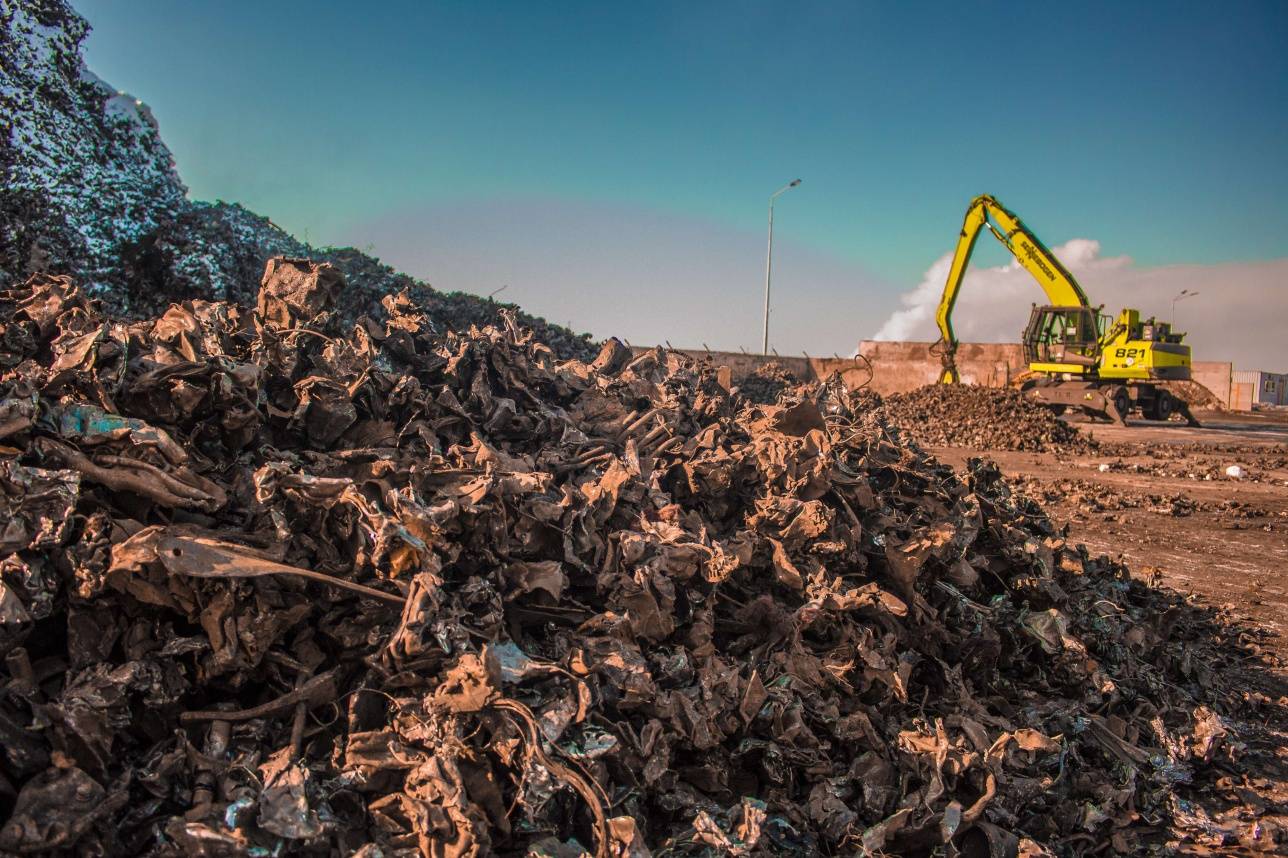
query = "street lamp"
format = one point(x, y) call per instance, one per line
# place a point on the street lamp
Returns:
point(1181, 296)
point(769, 256)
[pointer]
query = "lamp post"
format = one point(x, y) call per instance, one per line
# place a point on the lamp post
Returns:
point(769, 257)
point(1181, 296)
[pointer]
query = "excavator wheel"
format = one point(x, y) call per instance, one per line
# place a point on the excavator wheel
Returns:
point(1166, 405)
point(1119, 405)
point(1161, 407)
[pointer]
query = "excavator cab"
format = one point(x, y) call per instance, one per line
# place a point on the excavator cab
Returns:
point(1063, 339)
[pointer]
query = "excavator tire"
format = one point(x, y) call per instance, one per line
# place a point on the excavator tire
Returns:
point(1161, 406)
point(1119, 405)
point(1153, 409)
point(1166, 405)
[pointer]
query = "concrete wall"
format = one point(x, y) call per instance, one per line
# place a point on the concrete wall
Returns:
point(893, 367)
point(900, 366)
point(742, 364)
point(903, 366)
point(1216, 376)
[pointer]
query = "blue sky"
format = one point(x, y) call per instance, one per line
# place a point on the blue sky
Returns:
point(472, 142)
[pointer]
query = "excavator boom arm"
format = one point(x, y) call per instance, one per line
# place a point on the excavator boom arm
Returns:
point(1061, 288)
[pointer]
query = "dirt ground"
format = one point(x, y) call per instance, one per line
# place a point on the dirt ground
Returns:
point(1157, 495)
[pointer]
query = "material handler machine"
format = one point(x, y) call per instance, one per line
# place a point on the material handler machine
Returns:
point(1077, 357)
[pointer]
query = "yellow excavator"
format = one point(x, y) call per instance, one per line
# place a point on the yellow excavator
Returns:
point(1078, 358)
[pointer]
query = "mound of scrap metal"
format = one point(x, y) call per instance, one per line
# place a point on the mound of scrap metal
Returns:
point(1195, 394)
point(981, 418)
point(276, 587)
point(768, 382)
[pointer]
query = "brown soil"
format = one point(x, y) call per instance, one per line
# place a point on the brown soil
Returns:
point(1167, 508)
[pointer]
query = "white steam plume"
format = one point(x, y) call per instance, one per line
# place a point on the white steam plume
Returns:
point(991, 300)
point(1238, 314)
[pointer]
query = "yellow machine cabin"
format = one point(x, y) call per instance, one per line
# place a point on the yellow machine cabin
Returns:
point(1059, 341)
point(1079, 357)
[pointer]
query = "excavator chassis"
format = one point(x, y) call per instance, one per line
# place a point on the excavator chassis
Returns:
point(1107, 399)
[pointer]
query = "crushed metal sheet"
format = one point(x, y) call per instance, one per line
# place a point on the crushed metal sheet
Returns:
point(270, 585)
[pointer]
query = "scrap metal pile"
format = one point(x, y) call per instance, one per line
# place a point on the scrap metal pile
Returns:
point(768, 382)
point(1195, 394)
point(981, 418)
point(272, 586)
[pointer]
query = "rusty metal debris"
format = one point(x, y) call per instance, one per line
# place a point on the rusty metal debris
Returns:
point(276, 586)
point(768, 382)
point(1194, 394)
point(981, 418)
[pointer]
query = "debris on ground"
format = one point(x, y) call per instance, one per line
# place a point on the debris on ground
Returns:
point(1234, 472)
point(768, 382)
point(1194, 393)
point(1264, 463)
point(274, 585)
point(966, 415)
point(1095, 497)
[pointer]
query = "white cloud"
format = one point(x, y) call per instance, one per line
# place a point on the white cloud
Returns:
point(1238, 314)
point(651, 277)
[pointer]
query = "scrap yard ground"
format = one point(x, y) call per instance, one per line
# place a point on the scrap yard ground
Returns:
point(1166, 507)
point(301, 555)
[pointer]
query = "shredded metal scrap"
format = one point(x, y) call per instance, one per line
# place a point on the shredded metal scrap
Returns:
point(981, 418)
point(768, 382)
point(271, 586)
